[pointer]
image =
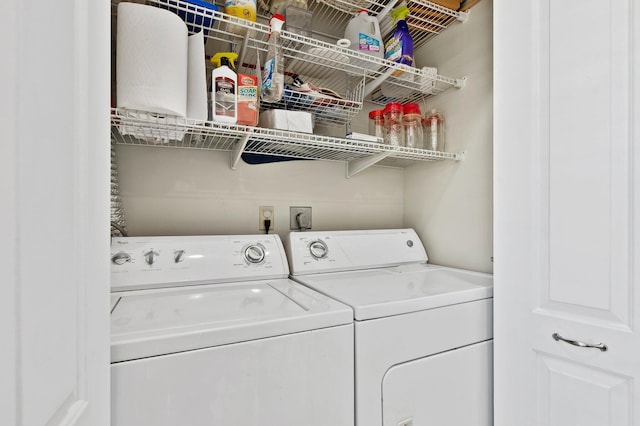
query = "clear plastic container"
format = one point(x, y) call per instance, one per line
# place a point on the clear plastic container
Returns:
point(273, 72)
point(298, 20)
point(376, 123)
point(412, 123)
point(434, 131)
point(393, 129)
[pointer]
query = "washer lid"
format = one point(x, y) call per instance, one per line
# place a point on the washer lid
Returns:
point(377, 293)
point(154, 322)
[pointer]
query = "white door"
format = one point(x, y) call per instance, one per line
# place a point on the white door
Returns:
point(567, 212)
point(54, 185)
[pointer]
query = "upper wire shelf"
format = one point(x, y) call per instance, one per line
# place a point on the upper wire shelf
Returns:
point(325, 64)
point(425, 21)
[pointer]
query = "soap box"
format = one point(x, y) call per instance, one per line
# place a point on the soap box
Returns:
point(294, 121)
point(247, 99)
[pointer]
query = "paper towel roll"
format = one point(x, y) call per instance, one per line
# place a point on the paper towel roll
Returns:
point(197, 79)
point(151, 60)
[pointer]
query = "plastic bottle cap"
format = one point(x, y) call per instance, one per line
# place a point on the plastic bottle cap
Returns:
point(399, 13)
point(411, 108)
point(363, 11)
point(376, 113)
point(393, 107)
point(276, 22)
point(231, 57)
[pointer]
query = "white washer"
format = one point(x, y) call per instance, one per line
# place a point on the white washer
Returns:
point(423, 333)
point(209, 330)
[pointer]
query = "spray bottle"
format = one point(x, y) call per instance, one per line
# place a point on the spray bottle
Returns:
point(273, 72)
point(224, 84)
point(399, 47)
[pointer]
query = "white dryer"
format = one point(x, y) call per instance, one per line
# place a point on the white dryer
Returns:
point(209, 330)
point(423, 333)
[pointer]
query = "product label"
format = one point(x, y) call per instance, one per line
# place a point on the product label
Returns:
point(247, 99)
point(247, 93)
point(393, 49)
point(367, 43)
point(225, 97)
point(245, 9)
point(267, 74)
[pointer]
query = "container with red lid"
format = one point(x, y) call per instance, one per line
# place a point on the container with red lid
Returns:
point(412, 123)
point(376, 123)
point(434, 131)
point(393, 128)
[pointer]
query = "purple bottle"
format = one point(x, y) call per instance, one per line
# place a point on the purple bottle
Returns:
point(399, 47)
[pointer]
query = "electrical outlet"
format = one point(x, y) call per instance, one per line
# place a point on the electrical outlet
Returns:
point(264, 213)
point(300, 218)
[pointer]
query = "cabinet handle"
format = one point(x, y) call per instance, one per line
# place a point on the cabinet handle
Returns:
point(600, 346)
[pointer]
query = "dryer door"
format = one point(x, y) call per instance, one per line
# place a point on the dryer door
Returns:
point(449, 389)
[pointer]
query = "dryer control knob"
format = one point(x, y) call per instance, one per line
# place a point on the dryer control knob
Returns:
point(178, 256)
point(318, 249)
point(120, 258)
point(254, 254)
point(150, 257)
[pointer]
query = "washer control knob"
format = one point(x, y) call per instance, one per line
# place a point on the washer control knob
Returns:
point(318, 249)
point(254, 254)
point(120, 258)
point(150, 257)
point(178, 256)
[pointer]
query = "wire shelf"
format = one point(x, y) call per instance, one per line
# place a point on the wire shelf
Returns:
point(323, 63)
point(343, 77)
point(426, 19)
point(142, 128)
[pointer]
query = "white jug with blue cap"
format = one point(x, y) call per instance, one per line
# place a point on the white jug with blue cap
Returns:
point(363, 31)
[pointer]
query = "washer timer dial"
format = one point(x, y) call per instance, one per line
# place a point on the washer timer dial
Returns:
point(318, 249)
point(254, 254)
point(120, 258)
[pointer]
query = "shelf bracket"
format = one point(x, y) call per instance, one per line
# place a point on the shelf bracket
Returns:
point(459, 156)
point(460, 82)
point(463, 16)
point(373, 84)
point(238, 150)
point(356, 166)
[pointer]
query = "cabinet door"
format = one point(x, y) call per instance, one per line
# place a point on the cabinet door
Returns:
point(54, 180)
point(567, 210)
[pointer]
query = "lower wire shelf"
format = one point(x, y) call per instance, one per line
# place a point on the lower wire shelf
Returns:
point(129, 127)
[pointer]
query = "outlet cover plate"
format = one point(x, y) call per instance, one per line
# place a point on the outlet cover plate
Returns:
point(265, 212)
point(305, 217)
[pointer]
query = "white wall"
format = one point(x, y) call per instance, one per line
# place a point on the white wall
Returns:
point(184, 192)
point(450, 203)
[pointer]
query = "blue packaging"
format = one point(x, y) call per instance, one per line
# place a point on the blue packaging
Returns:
point(195, 21)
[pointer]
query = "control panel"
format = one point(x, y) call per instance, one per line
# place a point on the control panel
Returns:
point(148, 262)
point(331, 251)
